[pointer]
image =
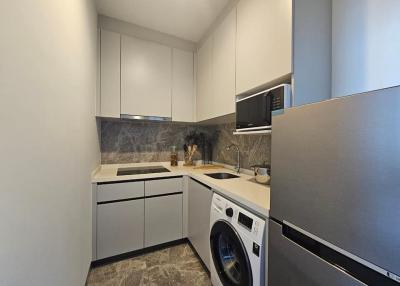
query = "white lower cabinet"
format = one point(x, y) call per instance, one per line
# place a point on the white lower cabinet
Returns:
point(120, 191)
point(163, 219)
point(134, 215)
point(163, 186)
point(200, 198)
point(120, 227)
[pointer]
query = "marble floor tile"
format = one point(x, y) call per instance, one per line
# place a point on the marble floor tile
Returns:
point(173, 266)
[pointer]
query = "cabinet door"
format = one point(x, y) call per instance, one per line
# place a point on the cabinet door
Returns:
point(146, 73)
point(204, 97)
point(120, 191)
point(224, 67)
point(98, 74)
point(120, 227)
point(163, 186)
point(182, 86)
point(200, 198)
point(163, 219)
point(110, 74)
point(264, 39)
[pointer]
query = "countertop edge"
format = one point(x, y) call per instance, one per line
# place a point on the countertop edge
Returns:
point(240, 200)
point(263, 212)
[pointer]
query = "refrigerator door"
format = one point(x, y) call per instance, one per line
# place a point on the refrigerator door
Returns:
point(336, 173)
point(292, 265)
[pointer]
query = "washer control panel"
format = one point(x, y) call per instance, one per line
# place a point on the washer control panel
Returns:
point(246, 222)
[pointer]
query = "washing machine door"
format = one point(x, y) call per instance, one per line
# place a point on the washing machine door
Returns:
point(229, 255)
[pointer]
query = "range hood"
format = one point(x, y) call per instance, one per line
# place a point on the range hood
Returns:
point(142, 117)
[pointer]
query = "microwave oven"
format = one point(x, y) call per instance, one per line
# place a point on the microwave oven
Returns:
point(254, 112)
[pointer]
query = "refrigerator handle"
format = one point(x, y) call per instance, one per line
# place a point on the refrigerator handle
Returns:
point(352, 266)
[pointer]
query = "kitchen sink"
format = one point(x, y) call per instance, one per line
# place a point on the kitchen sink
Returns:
point(221, 176)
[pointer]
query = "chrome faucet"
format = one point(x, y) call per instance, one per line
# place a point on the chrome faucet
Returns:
point(228, 148)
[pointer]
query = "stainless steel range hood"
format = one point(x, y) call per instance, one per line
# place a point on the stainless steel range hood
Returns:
point(142, 117)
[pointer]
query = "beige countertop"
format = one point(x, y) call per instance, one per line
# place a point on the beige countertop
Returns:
point(251, 195)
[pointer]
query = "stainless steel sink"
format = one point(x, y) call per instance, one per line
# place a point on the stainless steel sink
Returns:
point(221, 176)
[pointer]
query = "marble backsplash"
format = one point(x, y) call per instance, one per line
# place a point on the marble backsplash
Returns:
point(254, 149)
point(124, 141)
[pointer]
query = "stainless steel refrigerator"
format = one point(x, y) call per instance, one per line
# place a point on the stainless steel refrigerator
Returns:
point(335, 192)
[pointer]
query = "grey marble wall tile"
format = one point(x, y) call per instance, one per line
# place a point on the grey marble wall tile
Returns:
point(254, 149)
point(137, 141)
point(144, 141)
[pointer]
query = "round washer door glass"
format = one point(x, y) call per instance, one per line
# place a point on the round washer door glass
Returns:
point(229, 255)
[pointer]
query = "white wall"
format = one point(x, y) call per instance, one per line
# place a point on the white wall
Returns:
point(312, 41)
point(48, 140)
point(365, 45)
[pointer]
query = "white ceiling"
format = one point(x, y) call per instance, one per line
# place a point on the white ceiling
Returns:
point(186, 19)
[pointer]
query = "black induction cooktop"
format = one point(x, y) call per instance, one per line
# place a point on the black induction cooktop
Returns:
point(141, 170)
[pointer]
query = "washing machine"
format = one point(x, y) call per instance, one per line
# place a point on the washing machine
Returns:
point(236, 245)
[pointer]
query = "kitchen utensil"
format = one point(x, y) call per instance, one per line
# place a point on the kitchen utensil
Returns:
point(262, 173)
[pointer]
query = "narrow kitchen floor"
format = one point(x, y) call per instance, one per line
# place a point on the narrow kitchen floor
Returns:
point(177, 265)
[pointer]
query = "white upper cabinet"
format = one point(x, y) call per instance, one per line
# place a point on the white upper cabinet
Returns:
point(204, 97)
point(110, 74)
point(216, 71)
point(98, 79)
point(139, 77)
point(146, 78)
point(250, 48)
point(183, 97)
point(263, 45)
point(224, 66)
